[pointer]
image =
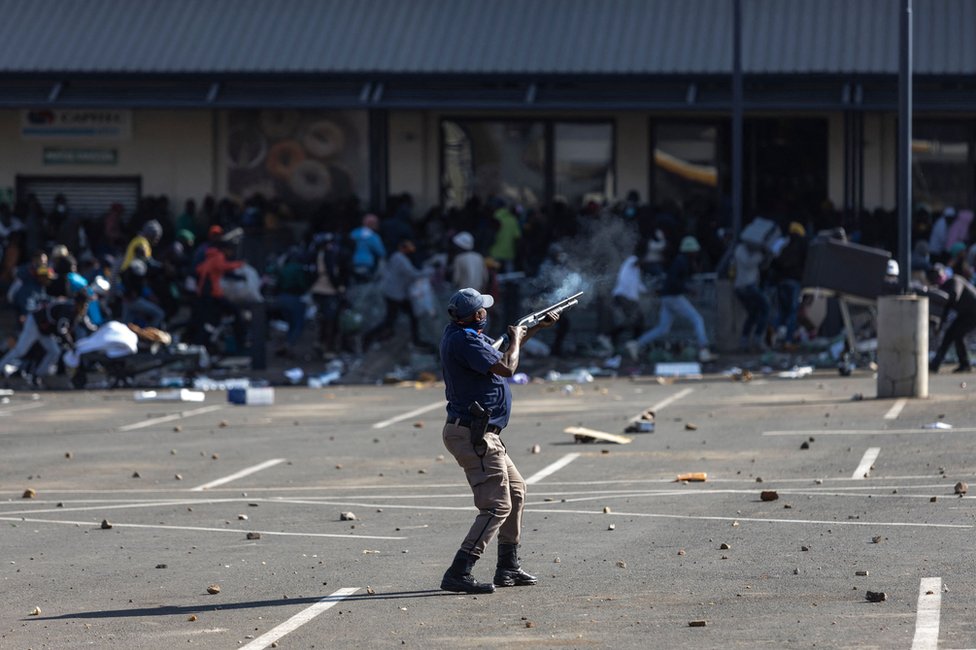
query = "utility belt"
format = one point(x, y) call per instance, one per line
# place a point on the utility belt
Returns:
point(491, 428)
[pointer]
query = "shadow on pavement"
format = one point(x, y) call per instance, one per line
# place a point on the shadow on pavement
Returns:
point(172, 610)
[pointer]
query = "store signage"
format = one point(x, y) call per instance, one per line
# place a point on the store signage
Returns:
point(95, 124)
point(65, 156)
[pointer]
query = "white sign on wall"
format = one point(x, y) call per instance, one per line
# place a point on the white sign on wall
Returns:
point(82, 124)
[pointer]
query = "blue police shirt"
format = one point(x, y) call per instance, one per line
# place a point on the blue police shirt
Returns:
point(466, 357)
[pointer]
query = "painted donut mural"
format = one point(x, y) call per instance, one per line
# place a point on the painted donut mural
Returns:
point(304, 158)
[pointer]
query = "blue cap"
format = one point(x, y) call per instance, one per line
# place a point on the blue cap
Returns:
point(466, 302)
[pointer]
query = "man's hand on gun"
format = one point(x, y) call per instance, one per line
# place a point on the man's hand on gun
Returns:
point(521, 332)
point(535, 321)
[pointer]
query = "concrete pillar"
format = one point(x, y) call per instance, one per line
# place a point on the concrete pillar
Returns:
point(903, 346)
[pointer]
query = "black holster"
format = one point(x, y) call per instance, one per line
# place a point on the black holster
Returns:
point(479, 426)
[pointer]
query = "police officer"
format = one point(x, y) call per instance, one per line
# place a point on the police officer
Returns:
point(479, 398)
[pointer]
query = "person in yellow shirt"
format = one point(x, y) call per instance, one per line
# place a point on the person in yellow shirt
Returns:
point(141, 245)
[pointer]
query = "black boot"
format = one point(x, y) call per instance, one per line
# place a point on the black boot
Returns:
point(509, 572)
point(459, 578)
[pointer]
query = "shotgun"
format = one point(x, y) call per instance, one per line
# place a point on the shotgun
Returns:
point(535, 317)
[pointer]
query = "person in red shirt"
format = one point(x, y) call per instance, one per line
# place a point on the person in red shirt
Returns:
point(211, 303)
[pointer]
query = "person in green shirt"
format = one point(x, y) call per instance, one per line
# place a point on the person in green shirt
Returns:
point(506, 238)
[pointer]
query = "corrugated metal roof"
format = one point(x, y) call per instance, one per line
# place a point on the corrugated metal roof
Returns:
point(477, 36)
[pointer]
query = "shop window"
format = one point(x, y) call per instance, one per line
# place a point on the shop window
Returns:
point(487, 158)
point(304, 158)
point(584, 168)
point(943, 170)
point(686, 163)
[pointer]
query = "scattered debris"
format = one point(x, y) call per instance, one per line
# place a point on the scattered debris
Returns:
point(643, 423)
point(696, 477)
point(937, 425)
point(857, 397)
point(192, 617)
point(136, 475)
point(797, 372)
point(213, 589)
point(876, 539)
point(177, 428)
point(697, 623)
point(347, 516)
point(606, 510)
point(215, 456)
point(759, 479)
point(223, 424)
point(68, 455)
point(536, 449)
point(367, 551)
point(876, 596)
point(681, 551)
point(36, 611)
point(29, 493)
point(178, 477)
point(690, 370)
point(262, 396)
point(529, 624)
point(242, 517)
point(933, 499)
point(612, 527)
point(418, 424)
point(863, 574)
point(370, 590)
point(582, 434)
point(105, 524)
point(804, 548)
point(818, 481)
point(181, 395)
point(253, 536)
point(962, 488)
point(804, 445)
point(769, 495)
point(689, 426)
point(724, 547)
point(161, 566)
point(621, 564)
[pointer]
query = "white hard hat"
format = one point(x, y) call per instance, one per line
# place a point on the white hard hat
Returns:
point(892, 268)
point(463, 240)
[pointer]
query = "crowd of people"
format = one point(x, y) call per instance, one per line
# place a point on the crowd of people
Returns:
point(196, 273)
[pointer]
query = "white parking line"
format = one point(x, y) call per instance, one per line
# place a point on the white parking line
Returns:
point(869, 432)
point(21, 407)
point(299, 619)
point(864, 468)
point(236, 475)
point(555, 467)
point(170, 418)
point(409, 414)
point(201, 529)
point(895, 409)
point(681, 394)
point(760, 520)
point(927, 616)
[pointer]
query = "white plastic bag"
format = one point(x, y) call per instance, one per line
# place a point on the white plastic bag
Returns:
point(422, 298)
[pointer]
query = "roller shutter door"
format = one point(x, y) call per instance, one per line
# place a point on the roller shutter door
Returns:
point(88, 196)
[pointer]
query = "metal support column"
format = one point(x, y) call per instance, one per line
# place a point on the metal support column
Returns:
point(905, 147)
point(737, 176)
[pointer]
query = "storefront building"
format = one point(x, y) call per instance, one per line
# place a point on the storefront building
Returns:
point(110, 100)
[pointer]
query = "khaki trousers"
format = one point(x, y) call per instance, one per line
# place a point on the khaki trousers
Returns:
point(498, 488)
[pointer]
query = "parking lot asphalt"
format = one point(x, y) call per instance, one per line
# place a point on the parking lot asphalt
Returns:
point(627, 556)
